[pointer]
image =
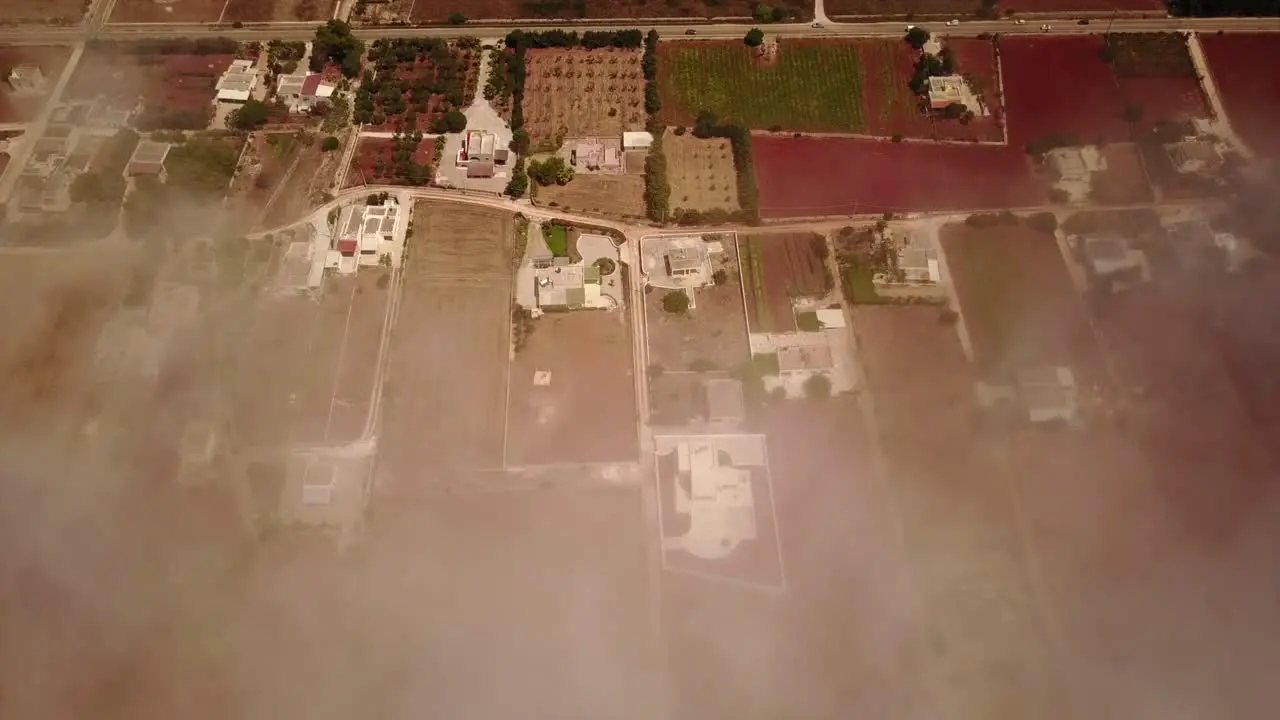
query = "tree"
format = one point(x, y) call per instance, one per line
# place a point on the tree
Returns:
point(249, 116)
point(552, 170)
point(457, 18)
point(817, 387)
point(676, 302)
point(98, 189)
point(329, 144)
point(762, 13)
point(916, 37)
point(335, 43)
point(754, 38)
point(455, 121)
point(520, 142)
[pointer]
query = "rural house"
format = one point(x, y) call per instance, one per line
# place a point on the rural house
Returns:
point(237, 83)
point(563, 283)
point(148, 159)
point(363, 234)
point(636, 141)
point(26, 80)
point(302, 92)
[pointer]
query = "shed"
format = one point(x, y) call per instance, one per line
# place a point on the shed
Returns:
point(148, 159)
point(636, 140)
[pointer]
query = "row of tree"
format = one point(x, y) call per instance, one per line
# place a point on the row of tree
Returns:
point(657, 189)
point(739, 137)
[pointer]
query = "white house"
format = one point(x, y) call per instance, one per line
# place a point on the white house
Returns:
point(301, 92)
point(363, 234)
point(237, 83)
point(636, 141)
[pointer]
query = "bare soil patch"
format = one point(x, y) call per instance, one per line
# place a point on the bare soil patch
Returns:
point(587, 412)
point(701, 173)
point(777, 268)
point(54, 12)
point(615, 195)
point(313, 365)
point(712, 335)
point(160, 11)
point(278, 10)
point(1125, 180)
point(445, 401)
point(582, 93)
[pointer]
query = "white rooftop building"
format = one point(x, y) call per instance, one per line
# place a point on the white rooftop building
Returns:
point(364, 233)
point(568, 284)
point(1075, 167)
point(301, 92)
point(237, 83)
point(632, 141)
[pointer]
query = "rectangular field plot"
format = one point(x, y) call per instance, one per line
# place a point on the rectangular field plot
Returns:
point(987, 651)
point(438, 10)
point(445, 402)
point(813, 85)
point(1251, 99)
point(572, 392)
point(717, 514)
point(712, 335)
point(1034, 70)
point(172, 11)
point(583, 93)
point(268, 11)
point(313, 366)
point(701, 173)
point(618, 195)
point(55, 12)
point(1017, 299)
point(775, 270)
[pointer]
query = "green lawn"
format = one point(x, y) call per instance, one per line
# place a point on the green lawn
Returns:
point(812, 88)
point(557, 238)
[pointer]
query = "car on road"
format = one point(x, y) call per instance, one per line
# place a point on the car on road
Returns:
point(1083, 21)
point(910, 28)
point(952, 23)
point(690, 32)
point(818, 25)
point(1019, 21)
point(1046, 27)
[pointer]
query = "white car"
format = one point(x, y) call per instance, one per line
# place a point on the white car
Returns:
point(952, 23)
point(818, 25)
point(910, 28)
point(1045, 28)
point(1019, 21)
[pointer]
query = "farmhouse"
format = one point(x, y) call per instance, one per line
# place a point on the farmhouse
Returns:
point(480, 154)
point(633, 141)
point(717, 496)
point(363, 234)
point(1194, 156)
point(566, 284)
point(946, 90)
point(597, 155)
point(148, 159)
point(302, 92)
point(1108, 255)
point(1075, 167)
point(688, 262)
point(237, 83)
point(917, 263)
point(26, 80)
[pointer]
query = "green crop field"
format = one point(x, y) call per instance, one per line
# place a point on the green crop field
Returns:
point(813, 87)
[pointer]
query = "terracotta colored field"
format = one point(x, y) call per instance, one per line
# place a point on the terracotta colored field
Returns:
point(437, 10)
point(1165, 99)
point(587, 414)
point(764, 289)
point(1251, 98)
point(864, 176)
point(278, 10)
point(150, 11)
point(365, 168)
point(51, 61)
point(961, 8)
point(458, 72)
point(1017, 300)
point(1060, 86)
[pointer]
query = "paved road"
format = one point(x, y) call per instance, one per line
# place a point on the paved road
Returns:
point(301, 31)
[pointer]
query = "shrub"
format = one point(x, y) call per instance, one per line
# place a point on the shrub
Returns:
point(676, 302)
point(720, 277)
point(607, 266)
point(1045, 222)
point(817, 387)
point(329, 144)
point(808, 322)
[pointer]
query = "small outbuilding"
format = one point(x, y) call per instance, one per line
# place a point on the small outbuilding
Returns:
point(632, 141)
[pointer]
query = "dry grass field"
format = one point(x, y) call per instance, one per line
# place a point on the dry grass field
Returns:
point(587, 414)
point(701, 173)
point(278, 10)
point(615, 195)
point(170, 11)
point(444, 407)
point(61, 12)
point(583, 93)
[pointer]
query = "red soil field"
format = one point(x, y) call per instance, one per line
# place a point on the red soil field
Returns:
point(1250, 97)
point(1019, 304)
point(889, 107)
point(1060, 85)
point(150, 11)
point(437, 10)
point(363, 164)
point(172, 83)
point(764, 284)
point(963, 8)
point(1165, 99)
point(809, 177)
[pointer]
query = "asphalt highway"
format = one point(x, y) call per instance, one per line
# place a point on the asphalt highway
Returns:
point(303, 31)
